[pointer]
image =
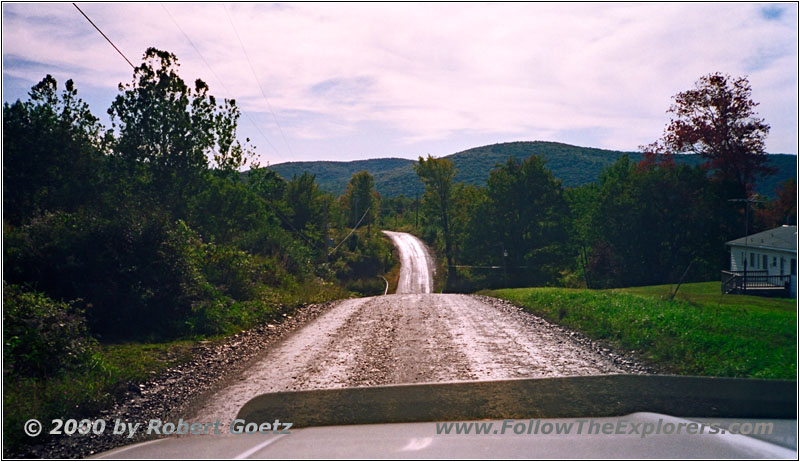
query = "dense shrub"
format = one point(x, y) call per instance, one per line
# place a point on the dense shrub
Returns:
point(42, 337)
point(367, 286)
point(136, 275)
point(366, 255)
point(235, 272)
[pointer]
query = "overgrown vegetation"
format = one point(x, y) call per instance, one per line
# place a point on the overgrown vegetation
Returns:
point(85, 390)
point(698, 333)
point(147, 233)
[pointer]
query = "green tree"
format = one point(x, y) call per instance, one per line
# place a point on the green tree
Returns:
point(305, 203)
point(226, 211)
point(437, 175)
point(583, 202)
point(650, 222)
point(52, 152)
point(266, 183)
point(361, 199)
point(168, 130)
point(466, 200)
point(527, 215)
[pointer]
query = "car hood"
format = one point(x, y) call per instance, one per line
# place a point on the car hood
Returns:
point(598, 417)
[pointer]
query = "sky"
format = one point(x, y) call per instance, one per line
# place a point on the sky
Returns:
point(328, 81)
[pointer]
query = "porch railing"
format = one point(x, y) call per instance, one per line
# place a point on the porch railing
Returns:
point(738, 281)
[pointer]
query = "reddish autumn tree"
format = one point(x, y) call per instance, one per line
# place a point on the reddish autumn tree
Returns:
point(717, 120)
point(782, 210)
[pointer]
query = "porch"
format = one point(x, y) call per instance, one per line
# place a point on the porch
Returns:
point(755, 283)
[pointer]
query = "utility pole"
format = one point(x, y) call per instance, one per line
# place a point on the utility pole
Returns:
point(355, 205)
point(325, 228)
point(747, 202)
point(416, 206)
point(505, 274)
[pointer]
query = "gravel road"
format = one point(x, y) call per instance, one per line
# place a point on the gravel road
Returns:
point(416, 264)
point(411, 337)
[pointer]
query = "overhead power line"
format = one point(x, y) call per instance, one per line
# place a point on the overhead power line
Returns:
point(255, 76)
point(221, 82)
point(350, 233)
point(104, 35)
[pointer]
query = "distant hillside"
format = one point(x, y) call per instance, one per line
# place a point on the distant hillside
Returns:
point(574, 165)
point(333, 176)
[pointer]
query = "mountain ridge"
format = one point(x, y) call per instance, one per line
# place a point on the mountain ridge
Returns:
point(574, 165)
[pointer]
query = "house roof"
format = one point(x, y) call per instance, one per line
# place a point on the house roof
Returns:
point(782, 238)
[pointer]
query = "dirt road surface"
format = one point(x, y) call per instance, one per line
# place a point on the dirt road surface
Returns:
point(416, 264)
point(410, 338)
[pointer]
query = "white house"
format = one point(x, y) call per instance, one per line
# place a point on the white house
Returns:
point(770, 258)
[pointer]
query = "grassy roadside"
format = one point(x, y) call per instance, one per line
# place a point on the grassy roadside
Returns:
point(84, 393)
point(698, 333)
point(393, 275)
point(116, 367)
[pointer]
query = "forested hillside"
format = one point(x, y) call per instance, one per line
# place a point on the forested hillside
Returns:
point(333, 176)
point(574, 165)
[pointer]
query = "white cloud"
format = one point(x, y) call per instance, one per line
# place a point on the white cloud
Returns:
point(436, 71)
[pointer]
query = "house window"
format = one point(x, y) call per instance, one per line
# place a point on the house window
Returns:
point(752, 259)
point(764, 261)
point(774, 262)
point(794, 267)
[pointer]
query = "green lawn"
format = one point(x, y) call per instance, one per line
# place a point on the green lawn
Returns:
point(708, 294)
point(699, 333)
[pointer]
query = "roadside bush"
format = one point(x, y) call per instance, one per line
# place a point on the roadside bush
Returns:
point(367, 286)
point(211, 317)
point(42, 337)
point(136, 275)
point(241, 275)
point(368, 256)
point(232, 271)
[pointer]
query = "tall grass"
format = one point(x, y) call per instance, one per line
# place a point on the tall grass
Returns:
point(692, 336)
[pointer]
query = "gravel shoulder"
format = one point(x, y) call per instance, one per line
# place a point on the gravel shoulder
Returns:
point(171, 394)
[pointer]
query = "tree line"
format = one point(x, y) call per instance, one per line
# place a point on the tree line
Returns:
point(642, 223)
point(149, 229)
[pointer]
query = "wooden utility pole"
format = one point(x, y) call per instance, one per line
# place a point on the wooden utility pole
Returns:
point(325, 229)
point(416, 219)
point(747, 202)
